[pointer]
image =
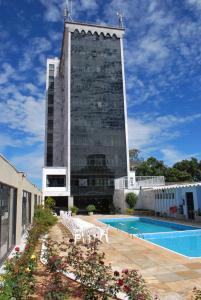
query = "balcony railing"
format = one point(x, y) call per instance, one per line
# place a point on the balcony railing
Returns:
point(139, 181)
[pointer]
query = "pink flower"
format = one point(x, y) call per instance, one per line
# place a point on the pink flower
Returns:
point(120, 282)
point(126, 288)
point(17, 249)
point(116, 273)
point(125, 271)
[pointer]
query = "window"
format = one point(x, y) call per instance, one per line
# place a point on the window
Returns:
point(35, 201)
point(56, 181)
point(50, 111)
point(26, 209)
point(50, 124)
point(51, 67)
point(51, 86)
point(51, 72)
point(8, 204)
point(50, 138)
point(50, 99)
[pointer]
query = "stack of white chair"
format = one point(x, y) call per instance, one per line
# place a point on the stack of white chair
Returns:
point(82, 230)
point(70, 224)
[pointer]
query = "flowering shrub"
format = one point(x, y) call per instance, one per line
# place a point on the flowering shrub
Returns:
point(90, 269)
point(197, 294)
point(55, 287)
point(133, 285)
point(18, 281)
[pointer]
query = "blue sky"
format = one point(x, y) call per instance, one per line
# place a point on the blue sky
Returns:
point(163, 74)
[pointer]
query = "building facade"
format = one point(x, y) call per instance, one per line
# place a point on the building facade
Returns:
point(86, 119)
point(179, 201)
point(18, 198)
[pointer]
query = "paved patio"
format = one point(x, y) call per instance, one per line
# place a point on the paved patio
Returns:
point(169, 275)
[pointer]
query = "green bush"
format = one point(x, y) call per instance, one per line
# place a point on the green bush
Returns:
point(91, 208)
point(74, 209)
point(18, 280)
point(131, 200)
point(130, 211)
point(44, 217)
point(50, 203)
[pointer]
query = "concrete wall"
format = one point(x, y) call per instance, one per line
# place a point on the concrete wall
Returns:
point(119, 200)
point(146, 199)
point(11, 177)
point(180, 200)
point(199, 197)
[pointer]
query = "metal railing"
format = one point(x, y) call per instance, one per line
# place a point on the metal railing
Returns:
point(139, 181)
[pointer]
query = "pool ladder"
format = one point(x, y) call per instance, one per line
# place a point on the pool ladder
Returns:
point(139, 233)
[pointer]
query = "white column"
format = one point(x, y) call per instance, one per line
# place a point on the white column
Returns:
point(125, 105)
point(69, 109)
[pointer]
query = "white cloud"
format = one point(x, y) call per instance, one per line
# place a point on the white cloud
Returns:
point(153, 131)
point(30, 163)
point(171, 155)
point(31, 88)
point(89, 4)
point(141, 134)
point(8, 141)
point(24, 113)
point(7, 73)
point(196, 3)
point(53, 10)
point(34, 50)
point(55, 36)
point(40, 75)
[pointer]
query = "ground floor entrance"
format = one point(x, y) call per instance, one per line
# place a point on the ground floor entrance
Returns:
point(61, 203)
point(102, 203)
point(190, 205)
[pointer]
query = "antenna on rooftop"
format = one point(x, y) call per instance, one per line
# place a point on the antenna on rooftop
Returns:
point(121, 19)
point(68, 10)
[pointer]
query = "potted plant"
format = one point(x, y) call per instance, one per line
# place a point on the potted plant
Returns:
point(74, 210)
point(198, 215)
point(129, 211)
point(91, 208)
point(180, 213)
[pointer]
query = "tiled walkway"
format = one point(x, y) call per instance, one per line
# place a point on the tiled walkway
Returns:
point(169, 275)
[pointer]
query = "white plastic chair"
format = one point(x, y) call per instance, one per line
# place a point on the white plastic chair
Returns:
point(93, 232)
point(104, 233)
point(77, 235)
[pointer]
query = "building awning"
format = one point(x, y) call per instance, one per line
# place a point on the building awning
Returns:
point(176, 186)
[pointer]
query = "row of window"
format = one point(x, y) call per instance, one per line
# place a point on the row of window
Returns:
point(165, 196)
point(50, 112)
point(98, 182)
point(104, 140)
point(82, 163)
point(8, 214)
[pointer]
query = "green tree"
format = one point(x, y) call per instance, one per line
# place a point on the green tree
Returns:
point(134, 158)
point(192, 167)
point(50, 202)
point(175, 175)
point(151, 167)
point(131, 200)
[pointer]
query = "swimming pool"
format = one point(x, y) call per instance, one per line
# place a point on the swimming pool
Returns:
point(182, 239)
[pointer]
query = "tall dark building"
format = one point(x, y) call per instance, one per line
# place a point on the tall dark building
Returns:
point(86, 120)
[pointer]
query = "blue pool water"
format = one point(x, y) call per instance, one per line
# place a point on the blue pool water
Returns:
point(179, 238)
